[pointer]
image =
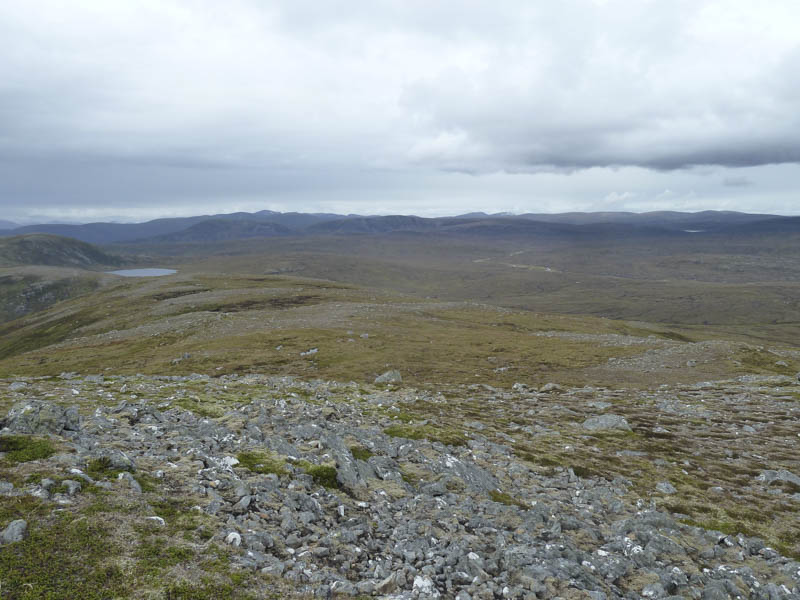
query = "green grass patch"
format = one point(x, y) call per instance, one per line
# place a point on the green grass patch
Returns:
point(200, 408)
point(177, 514)
point(447, 436)
point(323, 475)
point(261, 462)
point(155, 554)
point(360, 453)
point(70, 559)
point(45, 334)
point(504, 498)
point(584, 472)
point(21, 507)
point(101, 468)
point(20, 448)
point(726, 527)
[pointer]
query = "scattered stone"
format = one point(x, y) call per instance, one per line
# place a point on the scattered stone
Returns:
point(608, 421)
point(784, 476)
point(421, 517)
point(392, 376)
point(15, 532)
point(424, 587)
point(665, 487)
point(35, 417)
point(551, 387)
point(136, 488)
point(72, 486)
point(387, 586)
point(17, 386)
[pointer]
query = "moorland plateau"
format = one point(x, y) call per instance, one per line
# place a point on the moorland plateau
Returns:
point(588, 405)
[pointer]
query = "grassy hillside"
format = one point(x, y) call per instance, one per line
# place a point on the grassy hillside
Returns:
point(28, 290)
point(54, 251)
point(217, 324)
point(748, 284)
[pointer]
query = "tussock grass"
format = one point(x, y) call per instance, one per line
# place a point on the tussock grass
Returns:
point(72, 558)
point(20, 448)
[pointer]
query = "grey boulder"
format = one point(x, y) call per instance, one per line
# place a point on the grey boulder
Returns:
point(15, 532)
point(602, 422)
point(36, 417)
point(392, 376)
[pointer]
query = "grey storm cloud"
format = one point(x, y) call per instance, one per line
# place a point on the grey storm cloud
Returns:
point(258, 95)
point(736, 182)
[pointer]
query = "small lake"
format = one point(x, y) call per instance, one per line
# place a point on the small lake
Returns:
point(143, 272)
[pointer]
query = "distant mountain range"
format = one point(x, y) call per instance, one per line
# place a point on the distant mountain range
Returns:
point(242, 225)
point(7, 224)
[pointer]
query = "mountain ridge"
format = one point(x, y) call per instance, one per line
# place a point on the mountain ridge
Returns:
point(243, 225)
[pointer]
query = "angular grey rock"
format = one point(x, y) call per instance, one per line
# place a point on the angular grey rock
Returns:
point(782, 475)
point(388, 585)
point(606, 422)
point(424, 587)
point(242, 506)
point(233, 539)
point(132, 483)
point(34, 417)
point(17, 386)
point(551, 387)
point(15, 532)
point(73, 487)
point(117, 459)
point(392, 376)
point(665, 487)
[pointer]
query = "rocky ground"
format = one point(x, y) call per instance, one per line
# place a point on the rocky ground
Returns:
point(256, 486)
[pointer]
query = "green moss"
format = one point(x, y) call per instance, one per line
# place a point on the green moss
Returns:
point(261, 462)
point(409, 478)
point(584, 472)
point(323, 475)
point(101, 468)
point(447, 436)
point(157, 553)
point(360, 452)
point(148, 483)
point(544, 460)
point(69, 559)
point(177, 514)
point(21, 507)
point(20, 448)
point(504, 498)
point(726, 527)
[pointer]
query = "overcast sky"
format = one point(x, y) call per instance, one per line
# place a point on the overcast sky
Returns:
point(133, 110)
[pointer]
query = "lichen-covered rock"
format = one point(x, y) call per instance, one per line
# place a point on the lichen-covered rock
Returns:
point(35, 417)
point(392, 376)
point(601, 422)
point(15, 532)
